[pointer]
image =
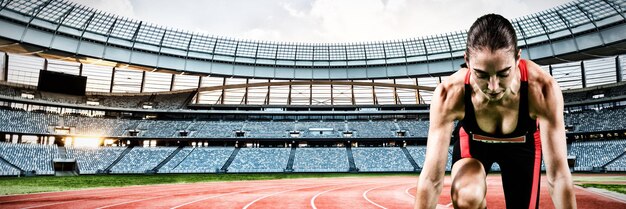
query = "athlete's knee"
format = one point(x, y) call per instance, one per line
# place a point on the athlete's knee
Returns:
point(466, 195)
point(468, 185)
point(467, 198)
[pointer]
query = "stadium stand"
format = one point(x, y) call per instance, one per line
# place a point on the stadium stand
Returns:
point(142, 159)
point(251, 160)
point(378, 159)
point(19, 121)
point(91, 160)
point(606, 119)
point(30, 157)
point(324, 159)
point(373, 129)
point(198, 160)
point(590, 154)
point(216, 129)
point(415, 128)
point(618, 164)
point(176, 160)
point(418, 153)
point(8, 170)
point(268, 129)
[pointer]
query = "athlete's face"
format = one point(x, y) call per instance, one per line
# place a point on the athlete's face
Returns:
point(492, 71)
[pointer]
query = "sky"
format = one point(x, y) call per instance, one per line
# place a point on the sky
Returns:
point(318, 21)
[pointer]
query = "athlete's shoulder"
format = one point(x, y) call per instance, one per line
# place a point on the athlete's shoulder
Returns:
point(543, 91)
point(537, 75)
point(448, 96)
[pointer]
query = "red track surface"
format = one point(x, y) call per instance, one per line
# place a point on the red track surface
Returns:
point(352, 192)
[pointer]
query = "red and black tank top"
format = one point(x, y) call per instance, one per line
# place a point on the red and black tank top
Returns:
point(525, 124)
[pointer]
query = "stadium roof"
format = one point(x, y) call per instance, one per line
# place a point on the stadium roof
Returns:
point(551, 35)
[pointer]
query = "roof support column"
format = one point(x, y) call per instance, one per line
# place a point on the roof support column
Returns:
point(417, 93)
point(582, 73)
point(618, 69)
point(550, 68)
point(80, 69)
point(267, 96)
point(374, 98)
point(245, 95)
point(289, 94)
point(172, 82)
point(352, 92)
point(112, 80)
point(221, 100)
point(395, 93)
point(332, 97)
point(5, 74)
point(143, 81)
point(198, 89)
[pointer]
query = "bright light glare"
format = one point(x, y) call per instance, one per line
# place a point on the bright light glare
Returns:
point(87, 142)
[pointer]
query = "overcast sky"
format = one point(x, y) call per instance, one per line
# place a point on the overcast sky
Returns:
point(318, 21)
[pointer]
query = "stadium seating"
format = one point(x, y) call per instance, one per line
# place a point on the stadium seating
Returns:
point(380, 159)
point(415, 128)
point(9, 91)
point(373, 129)
point(198, 160)
point(30, 157)
point(8, 170)
point(619, 164)
point(164, 101)
point(89, 160)
point(251, 160)
point(142, 159)
point(326, 159)
point(162, 128)
point(603, 120)
point(268, 129)
point(418, 153)
point(591, 154)
point(19, 121)
point(215, 129)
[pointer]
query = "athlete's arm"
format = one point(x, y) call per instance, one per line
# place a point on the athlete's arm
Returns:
point(443, 111)
point(547, 104)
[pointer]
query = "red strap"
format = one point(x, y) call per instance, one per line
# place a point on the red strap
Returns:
point(523, 70)
point(465, 147)
point(467, 76)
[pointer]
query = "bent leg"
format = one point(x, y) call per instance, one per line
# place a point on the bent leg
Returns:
point(469, 186)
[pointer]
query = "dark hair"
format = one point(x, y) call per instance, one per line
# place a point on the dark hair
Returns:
point(493, 32)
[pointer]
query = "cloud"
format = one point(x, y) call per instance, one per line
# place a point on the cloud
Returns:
point(119, 7)
point(318, 20)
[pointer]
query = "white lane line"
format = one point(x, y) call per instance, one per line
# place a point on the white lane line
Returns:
point(269, 195)
point(214, 196)
point(408, 193)
point(56, 203)
point(111, 195)
point(322, 192)
point(150, 198)
point(600, 193)
point(368, 199)
point(86, 191)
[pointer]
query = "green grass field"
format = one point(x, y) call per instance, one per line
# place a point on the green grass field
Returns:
point(610, 187)
point(615, 183)
point(24, 185)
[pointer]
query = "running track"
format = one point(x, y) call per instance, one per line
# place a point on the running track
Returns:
point(317, 193)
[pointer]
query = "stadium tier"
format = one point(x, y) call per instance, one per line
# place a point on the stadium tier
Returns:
point(18, 158)
point(161, 100)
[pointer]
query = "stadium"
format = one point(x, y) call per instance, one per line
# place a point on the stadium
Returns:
point(90, 94)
